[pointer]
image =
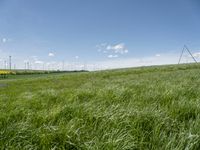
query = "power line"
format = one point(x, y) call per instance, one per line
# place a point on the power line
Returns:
point(187, 49)
point(190, 53)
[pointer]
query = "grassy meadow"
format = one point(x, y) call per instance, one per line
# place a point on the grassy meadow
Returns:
point(140, 108)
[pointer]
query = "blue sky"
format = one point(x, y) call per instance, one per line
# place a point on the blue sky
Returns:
point(112, 33)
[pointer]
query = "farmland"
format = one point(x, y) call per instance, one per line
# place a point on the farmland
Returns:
point(138, 108)
point(16, 74)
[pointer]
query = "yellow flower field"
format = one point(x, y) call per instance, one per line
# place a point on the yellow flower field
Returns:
point(4, 72)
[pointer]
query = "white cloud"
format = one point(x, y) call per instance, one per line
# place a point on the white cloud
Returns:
point(100, 47)
point(76, 57)
point(51, 54)
point(125, 51)
point(4, 40)
point(197, 54)
point(157, 55)
point(118, 48)
point(38, 62)
point(112, 56)
point(113, 50)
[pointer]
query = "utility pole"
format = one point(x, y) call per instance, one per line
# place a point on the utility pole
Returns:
point(63, 65)
point(85, 66)
point(43, 67)
point(28, 66)
point(10, 62)
point(5, 64)
point(24, 65)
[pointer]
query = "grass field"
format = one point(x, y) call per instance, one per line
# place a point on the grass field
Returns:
point(139, 108)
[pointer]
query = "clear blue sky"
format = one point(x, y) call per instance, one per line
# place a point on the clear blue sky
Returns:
point(97, 30)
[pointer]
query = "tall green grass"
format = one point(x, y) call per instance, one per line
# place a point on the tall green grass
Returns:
point(141, 108)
